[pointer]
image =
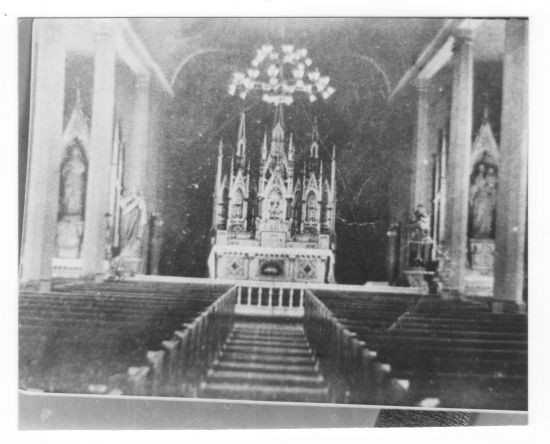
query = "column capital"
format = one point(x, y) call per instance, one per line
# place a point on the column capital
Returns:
point(51, 29)
point(104, 30)
point(462, 37)
point(422, 85)
point(143, 81)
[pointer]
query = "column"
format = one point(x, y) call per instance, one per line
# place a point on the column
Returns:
point(422, 161)
point(97, 198)
point(512, 187)
point(46, 129)
point(136, 161)
point(458, 177)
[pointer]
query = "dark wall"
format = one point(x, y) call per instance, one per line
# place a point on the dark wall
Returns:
point(353, 119)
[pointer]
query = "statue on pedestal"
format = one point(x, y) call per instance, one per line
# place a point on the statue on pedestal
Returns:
point(133, 219)
point(72, 192)
point(483, 201)
point(73, 183)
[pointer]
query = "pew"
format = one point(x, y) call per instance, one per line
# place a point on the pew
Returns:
point(87, 337)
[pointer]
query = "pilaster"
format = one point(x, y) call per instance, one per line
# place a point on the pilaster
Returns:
point(46, 127)
point(101, 143)
point(511, 207)
point(456, 219)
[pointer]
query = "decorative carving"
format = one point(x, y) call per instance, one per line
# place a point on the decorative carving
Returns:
point(280, 208)
point(235, 266)
point(272, 267)
point(307, 269)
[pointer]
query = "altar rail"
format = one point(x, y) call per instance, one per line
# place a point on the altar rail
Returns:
point(177, 368)
point(353, 372)
point(270, 299)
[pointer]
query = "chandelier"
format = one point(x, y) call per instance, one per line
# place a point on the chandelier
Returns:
point(278, 75)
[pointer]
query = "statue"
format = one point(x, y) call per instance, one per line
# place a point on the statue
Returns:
point(275, 210)
point(483, 201)
point(133, 219)
point(422, 222)
point(73, 183)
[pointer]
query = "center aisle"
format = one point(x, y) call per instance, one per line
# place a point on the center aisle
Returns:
point(266, 361)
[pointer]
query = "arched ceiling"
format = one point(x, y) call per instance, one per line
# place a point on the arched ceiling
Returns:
point(390, 43)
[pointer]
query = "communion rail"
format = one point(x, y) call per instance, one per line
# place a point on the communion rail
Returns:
point(352, 371)
point(178, 368)
point(270, 298)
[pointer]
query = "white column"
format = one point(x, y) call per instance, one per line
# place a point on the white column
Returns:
point(458, 179)
point(46, 127)
point(136, 161)
point(422, 161)
point(512, 186)
point(98, 190)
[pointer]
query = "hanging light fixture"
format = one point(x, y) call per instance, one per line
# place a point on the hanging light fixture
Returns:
point(280, 75)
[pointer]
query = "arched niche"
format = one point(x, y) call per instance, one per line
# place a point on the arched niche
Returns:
point(73, 177)
point(482, 200)
point(312, 212)
point(237, 205)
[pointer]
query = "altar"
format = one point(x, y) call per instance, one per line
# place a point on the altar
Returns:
point(280, 228)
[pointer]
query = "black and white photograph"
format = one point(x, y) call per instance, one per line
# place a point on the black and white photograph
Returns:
point(287, 211)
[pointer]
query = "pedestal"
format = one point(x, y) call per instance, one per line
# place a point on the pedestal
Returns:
point(482, 253)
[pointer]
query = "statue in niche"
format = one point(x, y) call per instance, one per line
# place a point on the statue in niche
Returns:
point(73, 182)
point(275, 207)
point(133, 219)
point(311, 208)
point(483, 201)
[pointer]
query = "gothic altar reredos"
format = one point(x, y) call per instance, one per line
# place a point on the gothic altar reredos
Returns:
point(279, 227)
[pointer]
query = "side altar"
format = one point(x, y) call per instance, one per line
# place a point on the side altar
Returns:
point(280, 226)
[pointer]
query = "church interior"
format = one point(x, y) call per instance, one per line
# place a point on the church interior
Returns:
point(309, 210)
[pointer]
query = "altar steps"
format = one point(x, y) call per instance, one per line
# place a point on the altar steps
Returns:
point(266, 361)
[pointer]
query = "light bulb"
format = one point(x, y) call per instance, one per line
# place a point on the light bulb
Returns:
point(287, 49)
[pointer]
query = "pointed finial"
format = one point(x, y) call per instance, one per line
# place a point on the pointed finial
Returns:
point(290, 148)
point(220, 148)
point(242, 127)
point(264, 146)
point(78, 102)
point(315, 132)
point(279, 118)
point(486, 113)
